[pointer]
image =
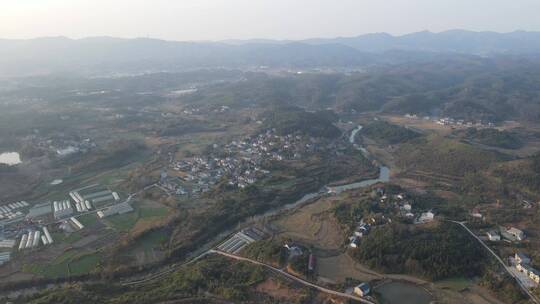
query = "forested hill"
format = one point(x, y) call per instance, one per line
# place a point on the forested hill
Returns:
point(289, 120)
point(462, 41)
point(472, 89)
point(102, 55)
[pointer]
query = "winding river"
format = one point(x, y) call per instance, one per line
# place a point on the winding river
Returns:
point(384, 176)
point(389, 293)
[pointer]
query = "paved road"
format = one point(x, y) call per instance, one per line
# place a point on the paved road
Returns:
point(523, 287)
point(239, 258)
point(292, 277)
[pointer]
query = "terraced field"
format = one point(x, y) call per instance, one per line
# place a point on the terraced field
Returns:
point(313, 225)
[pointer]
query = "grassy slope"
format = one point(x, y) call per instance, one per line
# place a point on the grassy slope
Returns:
point(444, 156)
point(234, 282)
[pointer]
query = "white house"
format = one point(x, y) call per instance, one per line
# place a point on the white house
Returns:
point(534, 275)
point(518, 234)
point(493, 235)
point(426, 217)
point(362, 290)
point(476, 213)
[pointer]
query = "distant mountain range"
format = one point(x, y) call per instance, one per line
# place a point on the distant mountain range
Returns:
point(114, 55)
point(457, 41)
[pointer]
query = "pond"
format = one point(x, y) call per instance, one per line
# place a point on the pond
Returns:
point(10, 158)
point(402, 293)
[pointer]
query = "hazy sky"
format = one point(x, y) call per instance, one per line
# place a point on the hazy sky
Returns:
point(241, 19)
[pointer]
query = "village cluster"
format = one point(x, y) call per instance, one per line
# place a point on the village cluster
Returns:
point(525, 272)
point(520, 263)
point(242, 162)
point(400, 203)
point(28, 224)
point(448, 121)
point(61, 145)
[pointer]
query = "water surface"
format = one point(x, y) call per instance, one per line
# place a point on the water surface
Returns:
point(402, 293)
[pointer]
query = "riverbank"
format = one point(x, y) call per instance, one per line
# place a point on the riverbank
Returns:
point(306, 199)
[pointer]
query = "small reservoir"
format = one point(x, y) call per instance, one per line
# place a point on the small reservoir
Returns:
point(402, 293)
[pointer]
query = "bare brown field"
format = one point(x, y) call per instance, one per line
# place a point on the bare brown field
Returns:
point(313, 225)
point(530, 147)
point(419, 124)
point(278, 290)
point(339, 268)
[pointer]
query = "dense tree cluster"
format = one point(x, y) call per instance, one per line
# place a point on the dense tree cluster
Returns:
point(493, 137)
point(521, 173)
point(290, 120)
point(504, 285)
point(433, 253)
point(472, 89)
point(443, 156)
point(268, 251)
point(387, 133)
point(230, 281)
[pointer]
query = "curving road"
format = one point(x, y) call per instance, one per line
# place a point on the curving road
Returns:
point(523, 287)
point(239, 258)
point(295, 278)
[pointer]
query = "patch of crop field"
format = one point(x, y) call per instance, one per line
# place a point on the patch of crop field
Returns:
point(73, 237)
point(65, 256)
point(84, 264)
point(150, 248)
point(70, 182)
point(419, 124)
point(48, 271)
point(480, 295)
point(279, 290)
point(287, 184)
point(133, 135)
point(339, 268)
point(456, 284)
point(110, 177)
point(313, 224)
point(153, 240)
point(145, 214)
point(117, 176)
point(88, 220)
point(57, 269)
point(123, 222)
point(196, 143)
point(153, 212)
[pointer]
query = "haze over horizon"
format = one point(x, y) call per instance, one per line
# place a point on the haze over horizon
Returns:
point(264, 19)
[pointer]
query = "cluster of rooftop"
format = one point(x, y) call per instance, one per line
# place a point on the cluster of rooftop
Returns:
point(242, 162)
point(512, 234)
point(449, 121)
point(31, 239)
point(62, 145)
point(115, 209)
point(11, 211)
point(523, 264)
point(26, 224)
